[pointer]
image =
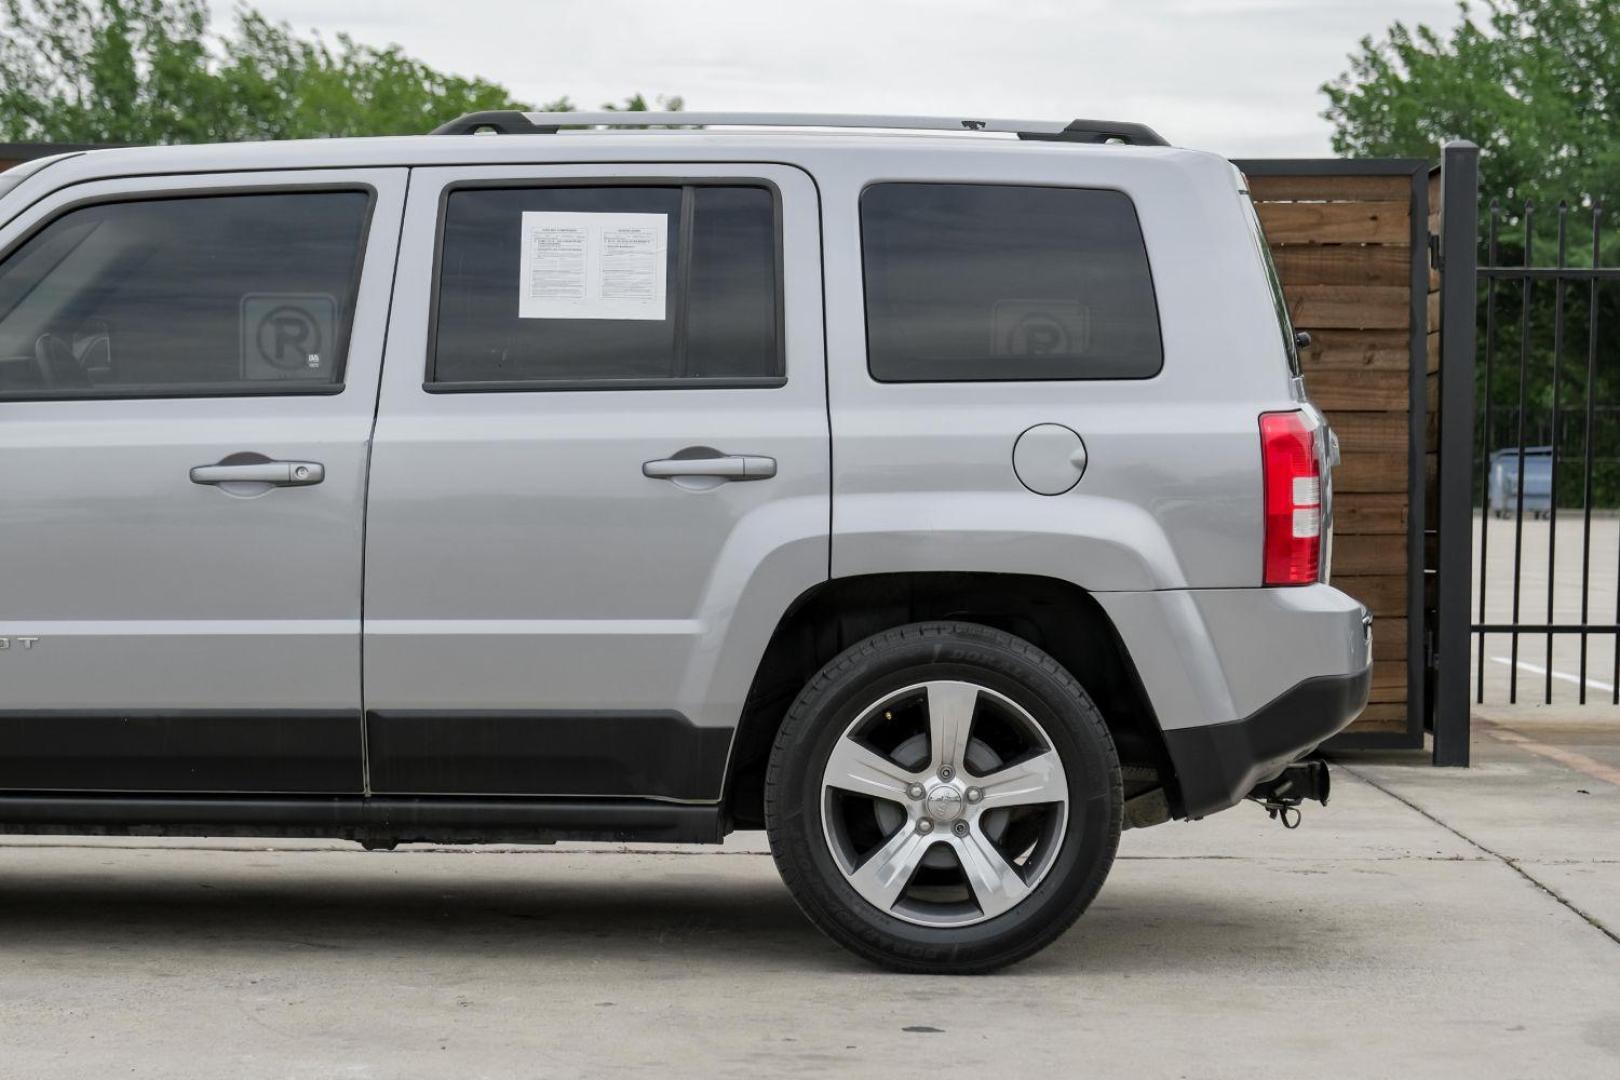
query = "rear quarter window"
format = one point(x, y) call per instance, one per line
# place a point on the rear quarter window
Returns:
point(988, 282)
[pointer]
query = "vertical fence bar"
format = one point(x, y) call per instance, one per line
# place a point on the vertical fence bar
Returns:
point(1459, 183)
point(1417, 460)
point(1591, 397)
point(1552, 505)
point(1485, 456)
point(1518, 500)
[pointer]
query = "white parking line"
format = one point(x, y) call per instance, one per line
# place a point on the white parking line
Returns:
point(1536, 669)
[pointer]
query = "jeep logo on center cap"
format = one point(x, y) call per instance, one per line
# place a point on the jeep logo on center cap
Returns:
point(944, 803)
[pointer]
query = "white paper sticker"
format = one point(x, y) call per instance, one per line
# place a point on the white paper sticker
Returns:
point(592, 266)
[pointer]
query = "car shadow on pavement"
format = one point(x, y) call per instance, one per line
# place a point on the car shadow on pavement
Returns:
point(265, 907)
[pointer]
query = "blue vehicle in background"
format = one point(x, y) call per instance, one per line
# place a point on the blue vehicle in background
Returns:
point(1503, 496)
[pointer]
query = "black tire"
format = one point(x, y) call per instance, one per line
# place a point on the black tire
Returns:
point(880, 665)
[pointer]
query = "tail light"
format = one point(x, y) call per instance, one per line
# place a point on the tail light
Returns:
point(1293, 483)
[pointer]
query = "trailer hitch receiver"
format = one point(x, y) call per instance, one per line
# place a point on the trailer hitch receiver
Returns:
point(1281, 796)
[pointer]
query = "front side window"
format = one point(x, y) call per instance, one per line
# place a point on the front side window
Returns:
point(981, 282)
point(220, 294)
point(611, 286)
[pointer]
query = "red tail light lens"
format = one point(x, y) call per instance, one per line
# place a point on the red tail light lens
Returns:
point(1293, 481)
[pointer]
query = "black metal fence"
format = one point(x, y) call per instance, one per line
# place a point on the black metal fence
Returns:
point(1547, 459)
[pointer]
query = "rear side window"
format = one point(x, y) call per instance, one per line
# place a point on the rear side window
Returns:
point(1279, 301)
point(607, 287)
point(979, 282)
point(196, 296)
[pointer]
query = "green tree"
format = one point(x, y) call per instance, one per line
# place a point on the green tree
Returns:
point(153, 71)
point(1536, 84)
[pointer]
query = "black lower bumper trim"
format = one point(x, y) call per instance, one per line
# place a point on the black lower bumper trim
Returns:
point(1217, 765)
point(393, 820)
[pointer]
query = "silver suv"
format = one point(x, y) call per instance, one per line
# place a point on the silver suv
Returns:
point(940, 496)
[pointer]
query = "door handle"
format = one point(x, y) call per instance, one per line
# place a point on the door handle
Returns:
point(725, 467)
point(275, 473)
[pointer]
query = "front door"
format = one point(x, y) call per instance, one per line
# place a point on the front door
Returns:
point(600, 474)
point(188, 377)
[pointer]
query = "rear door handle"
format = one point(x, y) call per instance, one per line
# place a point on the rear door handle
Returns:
point(727, 467)
point(276, 473)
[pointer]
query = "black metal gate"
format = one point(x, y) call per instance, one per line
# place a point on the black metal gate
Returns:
point(1448, 547)
point(1547, 461)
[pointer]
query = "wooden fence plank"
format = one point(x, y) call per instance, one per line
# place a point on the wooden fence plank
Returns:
point(1369, 513)
point(1368, 432)
point(1336, 223)
point(1371, 472)
point(1388, 681)
point(1389, 639)
point(1362, 554)
point(1384, 594)
point(1357, 349)
point(1383, 716)
point(1329, 188)
point(1349, 307)
point(1370, 390)
point(1344, 265)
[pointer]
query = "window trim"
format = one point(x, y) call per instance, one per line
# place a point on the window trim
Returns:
point(285, 388)
point(755, 382)
point(866, 309)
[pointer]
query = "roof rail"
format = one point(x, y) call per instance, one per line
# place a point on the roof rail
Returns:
point(512, 122)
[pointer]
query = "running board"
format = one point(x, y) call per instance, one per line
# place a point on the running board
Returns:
point(375, 822)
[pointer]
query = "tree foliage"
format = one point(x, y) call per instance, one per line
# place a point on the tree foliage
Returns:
point(1535, 83)
point(154, 71)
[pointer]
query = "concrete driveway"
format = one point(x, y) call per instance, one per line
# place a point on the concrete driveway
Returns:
point(1427, 923)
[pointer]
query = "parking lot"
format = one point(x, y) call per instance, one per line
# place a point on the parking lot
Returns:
point(1532, 662)
point(1426, 923)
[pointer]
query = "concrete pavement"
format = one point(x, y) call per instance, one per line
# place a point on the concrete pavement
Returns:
point(1427, 923)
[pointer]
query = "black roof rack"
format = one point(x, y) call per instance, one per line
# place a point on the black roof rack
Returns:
point(513, 122)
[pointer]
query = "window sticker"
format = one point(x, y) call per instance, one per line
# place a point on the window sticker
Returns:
point(1040, 328)
point(289, 336)
point(593, 266)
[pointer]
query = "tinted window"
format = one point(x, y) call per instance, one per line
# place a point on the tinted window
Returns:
point(561, 286)
point(1279, 299)
point(982, 282)
point(237, 294)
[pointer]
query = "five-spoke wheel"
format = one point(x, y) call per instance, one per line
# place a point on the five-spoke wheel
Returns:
point(943, 797)
point(943, 803)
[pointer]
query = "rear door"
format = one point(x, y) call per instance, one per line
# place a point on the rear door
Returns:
point(188, 377)
point(600, 474)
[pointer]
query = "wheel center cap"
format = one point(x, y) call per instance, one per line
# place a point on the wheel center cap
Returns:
point(944, 803)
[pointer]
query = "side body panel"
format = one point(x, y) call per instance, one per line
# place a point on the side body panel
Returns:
point(1171, 494)
point(189, 639)
point(542, 618)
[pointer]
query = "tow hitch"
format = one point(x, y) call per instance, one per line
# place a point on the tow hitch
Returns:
point(1300, 781)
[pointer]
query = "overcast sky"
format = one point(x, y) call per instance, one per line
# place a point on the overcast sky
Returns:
point(1239, 77)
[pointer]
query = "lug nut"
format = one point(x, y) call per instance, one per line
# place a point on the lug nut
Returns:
point(974, 794)
point(915, 791)
point(960, 828)
point(946, 772)
point(925, 826)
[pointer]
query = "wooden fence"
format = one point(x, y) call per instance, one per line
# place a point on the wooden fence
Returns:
point(1350, 242)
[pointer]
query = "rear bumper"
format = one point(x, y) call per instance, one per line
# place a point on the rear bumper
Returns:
point(1218, 764)
point(1243, 681)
